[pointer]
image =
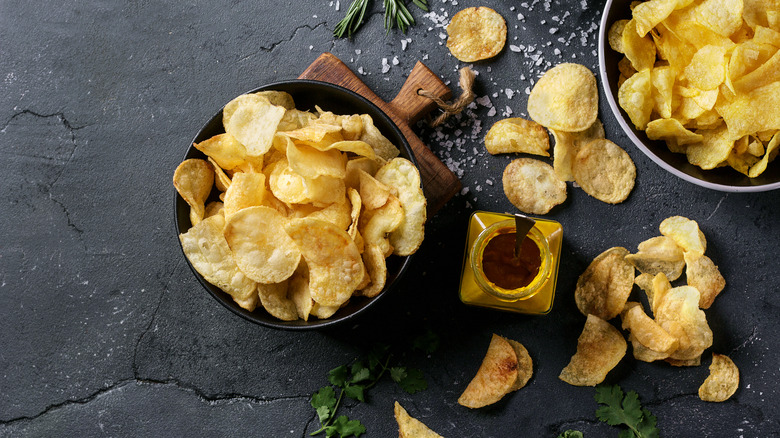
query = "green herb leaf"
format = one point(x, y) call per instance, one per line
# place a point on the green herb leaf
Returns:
point(324, 397)
point(345, 427)
point(619, 409)
point(397, 374)
point(571, 434)
point(427, 342)
point(339, 376)
point(413, 382)
point(355, 392)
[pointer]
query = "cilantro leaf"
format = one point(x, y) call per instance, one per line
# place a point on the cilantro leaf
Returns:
point(339, 376)
point(571, 434)
point(345, 427)
point(325, 397)
point(646, 427)
point(427, 343)
point(413, 381)
point(397, 374)
point(355, 392)
point(377, 355)
point(624, 409)
point(359, 373)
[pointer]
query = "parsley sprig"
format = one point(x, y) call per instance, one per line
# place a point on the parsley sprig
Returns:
point(355, 379)
point(619, 409)
point(396, 13)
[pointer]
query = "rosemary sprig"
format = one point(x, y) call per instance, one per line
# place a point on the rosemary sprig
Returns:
point(396, 14)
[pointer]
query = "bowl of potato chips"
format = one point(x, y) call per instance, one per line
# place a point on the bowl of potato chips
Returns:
point(695, 85)
point(299, 205)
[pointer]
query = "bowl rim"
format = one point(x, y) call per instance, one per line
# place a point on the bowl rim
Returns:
point(298, 325)
point(603, 46)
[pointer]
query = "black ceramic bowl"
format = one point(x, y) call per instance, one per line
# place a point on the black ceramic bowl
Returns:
point(306, 94)
point(723, 179)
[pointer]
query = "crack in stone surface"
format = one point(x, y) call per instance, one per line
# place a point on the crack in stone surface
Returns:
point(286, 40)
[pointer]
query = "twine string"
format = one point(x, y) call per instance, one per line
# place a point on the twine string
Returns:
point(466, 82)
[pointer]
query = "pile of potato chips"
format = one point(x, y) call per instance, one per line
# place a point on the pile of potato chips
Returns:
point(704, 76)
point(309, 207)
point(565, 101)
point(476, 33)
point(677, 332)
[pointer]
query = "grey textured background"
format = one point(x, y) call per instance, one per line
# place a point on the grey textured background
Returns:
point(104, 331)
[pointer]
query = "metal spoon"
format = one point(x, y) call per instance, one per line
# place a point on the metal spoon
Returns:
point(523, 225)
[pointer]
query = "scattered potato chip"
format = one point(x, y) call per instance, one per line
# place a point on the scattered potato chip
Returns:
point(476, 33)
point(604, 170)
point(404, 179)
point(496, 377)
point(531, 186)
point(679, 314)
point(193, 179)
point(646, 331)
point(685, 233)
point(565, 98)
point(723, 380)
point(600, 348)
point(702, 274)
point(410, 427)
point(517, 135)
point(567, 144)
point(658, 254)
point(604, 287)
point(525, 365)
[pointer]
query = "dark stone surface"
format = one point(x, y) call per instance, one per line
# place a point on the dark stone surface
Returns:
point(104, 331)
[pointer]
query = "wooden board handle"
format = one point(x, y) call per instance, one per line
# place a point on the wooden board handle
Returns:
point(411, 106)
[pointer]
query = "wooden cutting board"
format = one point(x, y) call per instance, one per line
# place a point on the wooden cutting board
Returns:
point(408, 107)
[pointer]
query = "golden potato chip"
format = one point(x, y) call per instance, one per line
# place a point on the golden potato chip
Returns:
point(275, 301)
point(495, 377)
point(723, 17)
point(373, 193)
point(723, 380)
point(517, 135)
point(323, 312)
point(410, 427)
point(404, 180)
point(707, 69)
point(658, 254)
point(615, 35)
point(702, 274)
point(604, 287)
point(771, 152)
point(376, 225)
point(193, 179)
point(636, 98)
point(659, 287)
point(351, 127)
point(644, 354)
point(743, 117)
point(262, 249)
point(525, 365)
point(376, 268)
point(252, 120)
point(532, 187)
point(299, 293)
point(246, 190)
point(356, 206)
point(679, 307)
point(671, 129)
point(278, 98)
point(476, 33)
point(212, 208)
point(317, 134)
point(224, 149)
point(604, 170)
point(221, 180)
point(640, 50)
point(568, 143)
point(663, 78)
point(295, 119)
point(309, 162)
point(335, 266)
point(384, 149)
point(600, 348)
point(648, 14)
point(685, 233)
point(354, 165)
point(208, 252)
point(646, 331)
point(565, 98)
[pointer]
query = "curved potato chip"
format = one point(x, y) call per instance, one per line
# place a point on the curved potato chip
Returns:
point(356, 147)
point(367, 165)
point(221, 180)
point(646, 331)
point(723, 380)
point(525, 365)
point(246, 190)
point(476, 33)
point(605, 171)
point(278, 98)
point(376, 225)
point(680, 306)
point(317, 134)
point(565, 98)
point(615, 35)
point(640, 50)
point(263, 251)
point(648, 14)
point(376, 268)
point(723, 17)
point(702, 274)
point(193, 179)
point(636, 98)
point(532, 187)
point(600, 348)
point(299, 293)
point(663, 78)
point(212, 208)
point(495, 377)
point(373, 193)
point(310, 162)
point(568, 143)
point(275, 301)
point(604, 287)
point(517, 135)
point(208, 252)
point(772, 150)
point(383, 148)
point(671, 129)
point(685, 233)
point(252, 120)
point(410, 427)
point(404, 179)
point(335, 266)
point(707, 69)
point(295, 119)
point(658, 254)
point(224, 149)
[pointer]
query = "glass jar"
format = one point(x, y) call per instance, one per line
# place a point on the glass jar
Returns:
point(534, 298)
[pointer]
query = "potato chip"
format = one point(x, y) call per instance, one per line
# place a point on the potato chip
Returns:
point(567, 144)
point(723, 17)
point(771, 152)
point(246, 190)
point(335, 266)
point(663, 79)
point(221, 180)
point(252, 120)
point(309, 162)
point(517, 135)
point(640, 50)
point(299, 293)
point(213, 208)
point(743, 117)
point(525, 365)
point(636, 98)
point(376, 268)
point(702, 274)
point(707, 69)
point(208, 252)
point(193, 180)
point(262, 249)
point(404, 179)
point(685, 233)
point(615, 35)
point(531, 186)
point(646, 331)
point(671, 129)
point(679, 306)
point(600, 348)
point(604, 170)
point(476, 33)
point(648, 14)
point(496, 375)
point(384, 149)
point(658, 254)
point(295, 119)
point(604, 287)
point(354, 165)
point(278, 98)
point(644, 354)
point(224, 149)
point(723, 380)
point(275, 301)
point(376, 225)
point(565, 98)
point(410, 427)
point(373, 193)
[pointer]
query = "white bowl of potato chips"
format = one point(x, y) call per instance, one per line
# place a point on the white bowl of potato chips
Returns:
point(695, 86)
point(305, 212)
